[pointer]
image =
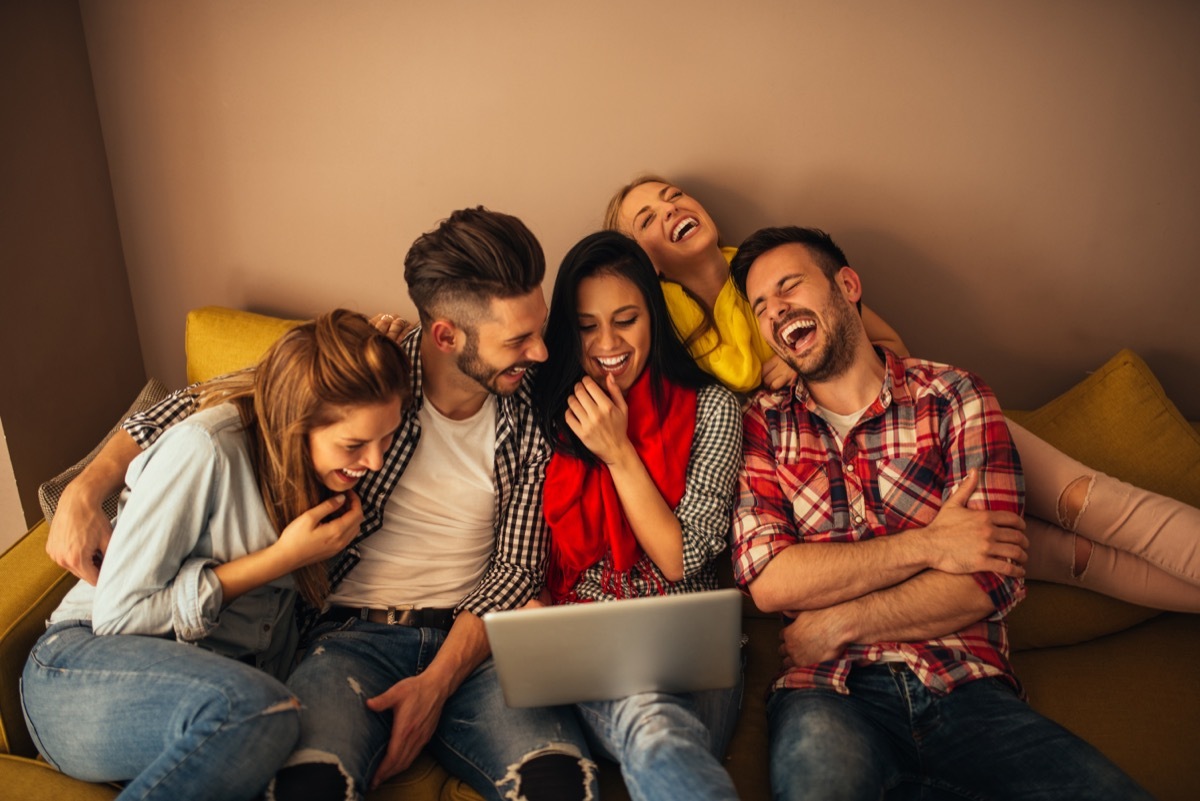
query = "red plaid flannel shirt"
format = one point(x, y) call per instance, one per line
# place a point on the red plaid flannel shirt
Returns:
point(930, 425)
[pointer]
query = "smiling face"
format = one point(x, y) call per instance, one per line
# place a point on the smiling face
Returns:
point(614, 329)
point(809, 321)
point(498, 351)
point(672, 227)
point(343, 451)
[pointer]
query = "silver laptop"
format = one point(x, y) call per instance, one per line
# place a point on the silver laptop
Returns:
point(601, 651)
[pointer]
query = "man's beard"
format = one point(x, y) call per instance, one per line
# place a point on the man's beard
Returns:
point(484, 373)
point(840, 346)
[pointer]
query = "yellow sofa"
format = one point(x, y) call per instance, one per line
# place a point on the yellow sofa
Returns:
point(1116, 674)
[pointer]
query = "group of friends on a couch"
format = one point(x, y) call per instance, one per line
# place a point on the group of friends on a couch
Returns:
point(330, 526)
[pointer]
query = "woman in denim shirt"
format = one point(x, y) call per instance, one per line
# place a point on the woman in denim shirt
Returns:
point(224, 520)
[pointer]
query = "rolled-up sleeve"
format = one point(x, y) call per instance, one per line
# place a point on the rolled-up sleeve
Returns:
point(147, 426)
point(196, 600)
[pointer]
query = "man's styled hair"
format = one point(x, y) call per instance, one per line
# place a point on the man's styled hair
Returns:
point(474, 255)
point(827, 255)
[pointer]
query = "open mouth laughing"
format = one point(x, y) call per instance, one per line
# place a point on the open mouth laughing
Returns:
point(683, 228)
point(796, 333)
point(613, 364)
point(351, 476)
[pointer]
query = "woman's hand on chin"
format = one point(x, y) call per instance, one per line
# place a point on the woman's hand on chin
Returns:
point(599, 417)
point(324, 530)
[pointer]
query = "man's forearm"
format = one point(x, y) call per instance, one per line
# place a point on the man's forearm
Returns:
point(818, 575)
point(959, 541)
point(466, 646)
point(927, 606)
point(80, 530)
point(106, 472)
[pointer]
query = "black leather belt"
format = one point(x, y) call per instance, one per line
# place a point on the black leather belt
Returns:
point(394, 616)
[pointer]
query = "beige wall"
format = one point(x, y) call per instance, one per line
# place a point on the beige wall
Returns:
point(12, 516)
point(1017, 181)
point(69, 352)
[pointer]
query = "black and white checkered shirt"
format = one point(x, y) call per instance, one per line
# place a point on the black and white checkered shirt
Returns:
point(705, 511)
point(517, 565)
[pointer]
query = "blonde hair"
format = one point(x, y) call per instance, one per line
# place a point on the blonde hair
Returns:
point(303, 382)
point(612, 222)
point(612, 214)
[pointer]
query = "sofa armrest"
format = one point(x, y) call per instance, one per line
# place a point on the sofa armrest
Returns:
point(33, 587)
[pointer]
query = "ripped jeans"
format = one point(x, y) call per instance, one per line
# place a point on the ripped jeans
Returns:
point(668, 746)
point(478, 739)
point(174, 720)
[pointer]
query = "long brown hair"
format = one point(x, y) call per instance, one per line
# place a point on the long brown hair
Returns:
point(612, 222)
point(305, 381)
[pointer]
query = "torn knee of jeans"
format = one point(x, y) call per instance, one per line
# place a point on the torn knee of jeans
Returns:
point(1073, 502)
point(290, 705)
point(311, 774)
point(557, 772)
point(355, 687)
point(1082, 557)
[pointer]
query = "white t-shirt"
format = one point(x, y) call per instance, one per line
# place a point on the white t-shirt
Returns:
point(438, 528)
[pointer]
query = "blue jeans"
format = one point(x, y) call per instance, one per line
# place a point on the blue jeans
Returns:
point(668, 746)
point(175, 720)
point(979, 741)
point(478, 739)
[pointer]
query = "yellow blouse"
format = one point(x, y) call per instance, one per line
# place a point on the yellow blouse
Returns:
point(734, 351)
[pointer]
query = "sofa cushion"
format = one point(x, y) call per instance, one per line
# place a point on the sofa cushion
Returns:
point(219, 340)
point(1119, 420)
point(30, 780)
point(51, 491)
point(1055, 614)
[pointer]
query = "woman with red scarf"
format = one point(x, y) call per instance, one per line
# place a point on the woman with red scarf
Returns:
point(638, 495)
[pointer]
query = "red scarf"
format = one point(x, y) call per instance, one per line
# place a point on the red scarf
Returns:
point(581, 504)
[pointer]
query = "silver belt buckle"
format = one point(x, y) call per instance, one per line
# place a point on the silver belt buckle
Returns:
point(391, 612)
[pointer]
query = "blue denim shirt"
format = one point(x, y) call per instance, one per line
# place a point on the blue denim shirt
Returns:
point(191, 502)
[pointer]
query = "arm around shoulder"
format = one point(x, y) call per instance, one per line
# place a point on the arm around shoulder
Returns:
point(880, 333)
point(80, 531)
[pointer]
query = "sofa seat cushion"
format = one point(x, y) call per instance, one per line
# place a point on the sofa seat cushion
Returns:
point(1055, 614)
point(1133, 695)
point(31, 780)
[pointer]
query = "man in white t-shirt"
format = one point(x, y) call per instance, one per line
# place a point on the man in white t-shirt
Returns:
point(452, 529)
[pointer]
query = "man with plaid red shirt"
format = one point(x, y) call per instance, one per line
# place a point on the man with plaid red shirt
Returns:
point(880, 511)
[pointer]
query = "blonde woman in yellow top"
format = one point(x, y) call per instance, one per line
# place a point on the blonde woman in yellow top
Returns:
point(1083, 527)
